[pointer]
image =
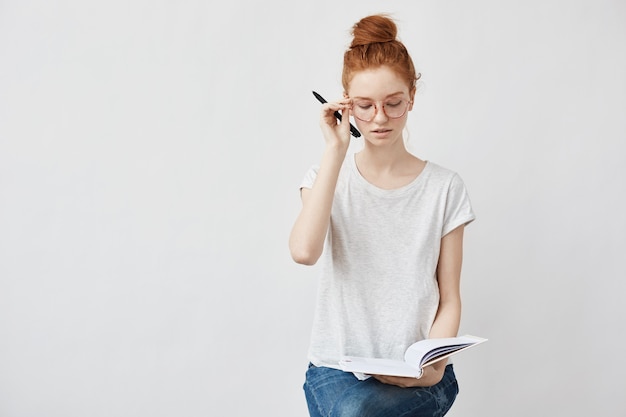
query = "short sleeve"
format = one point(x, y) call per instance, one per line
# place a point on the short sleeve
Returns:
point(309, 177)
point(458, 209)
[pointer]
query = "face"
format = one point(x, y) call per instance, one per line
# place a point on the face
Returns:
point(381, 102)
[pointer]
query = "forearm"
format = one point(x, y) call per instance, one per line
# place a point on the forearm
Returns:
point(306, 241)
point(448, 318)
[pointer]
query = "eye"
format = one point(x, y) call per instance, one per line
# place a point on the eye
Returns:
point(393, 103)
point(364, 105)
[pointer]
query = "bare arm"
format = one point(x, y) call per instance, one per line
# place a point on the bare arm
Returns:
point(306, 241)
point(448, 316)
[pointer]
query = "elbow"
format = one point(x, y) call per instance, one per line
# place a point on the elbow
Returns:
point(304, 249)
point(304, 256)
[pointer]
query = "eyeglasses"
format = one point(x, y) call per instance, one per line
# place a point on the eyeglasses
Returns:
point(366, 110)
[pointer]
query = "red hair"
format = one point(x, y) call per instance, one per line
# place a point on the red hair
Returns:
point(374, 44)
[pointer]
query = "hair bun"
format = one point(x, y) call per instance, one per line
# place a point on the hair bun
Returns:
point(373, 29)
point(374, 44)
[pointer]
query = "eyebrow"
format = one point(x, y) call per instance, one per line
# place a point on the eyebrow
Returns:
point(386, 97)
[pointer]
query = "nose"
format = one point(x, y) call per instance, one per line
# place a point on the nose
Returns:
point(380, 116)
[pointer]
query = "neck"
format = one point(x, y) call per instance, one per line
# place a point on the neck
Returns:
point(384, 159)
point(388, 169)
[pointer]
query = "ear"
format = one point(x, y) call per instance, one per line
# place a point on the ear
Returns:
point(412, 95)
point(345, 94)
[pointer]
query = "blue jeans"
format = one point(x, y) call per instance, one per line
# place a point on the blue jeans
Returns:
point(334, 393)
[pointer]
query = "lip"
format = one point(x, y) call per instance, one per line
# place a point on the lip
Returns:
point(381, 132)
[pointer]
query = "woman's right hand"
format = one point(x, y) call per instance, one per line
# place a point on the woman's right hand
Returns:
point(336, 133)
point(308, 234)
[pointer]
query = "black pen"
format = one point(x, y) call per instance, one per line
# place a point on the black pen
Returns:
point(353, 130)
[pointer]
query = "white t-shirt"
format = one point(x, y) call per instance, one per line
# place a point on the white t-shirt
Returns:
point(378, 289)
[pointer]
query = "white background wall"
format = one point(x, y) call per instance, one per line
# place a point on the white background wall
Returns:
point(150, 155)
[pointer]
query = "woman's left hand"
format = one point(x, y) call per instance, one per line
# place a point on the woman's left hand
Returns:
point(431, 376)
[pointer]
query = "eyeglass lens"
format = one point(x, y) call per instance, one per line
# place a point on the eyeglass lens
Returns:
point(366, 110)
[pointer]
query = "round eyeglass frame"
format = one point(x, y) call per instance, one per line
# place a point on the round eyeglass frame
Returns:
point(376, 107)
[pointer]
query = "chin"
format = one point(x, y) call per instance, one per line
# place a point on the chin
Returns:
point(383, 140)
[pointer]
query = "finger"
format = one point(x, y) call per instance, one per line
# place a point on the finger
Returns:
point(345, 119)
point(343, 106)
point(333, 107)
point(328, 114)
point(381, 378)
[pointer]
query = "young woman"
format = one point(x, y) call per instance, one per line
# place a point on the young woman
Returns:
point(389, 229)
